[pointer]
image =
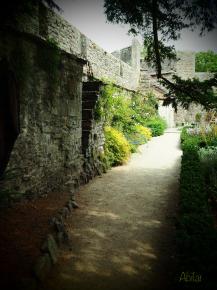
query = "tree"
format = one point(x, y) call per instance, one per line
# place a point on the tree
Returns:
point(206, 61)
point(162, 20)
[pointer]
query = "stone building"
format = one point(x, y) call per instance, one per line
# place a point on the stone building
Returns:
point(56, 74)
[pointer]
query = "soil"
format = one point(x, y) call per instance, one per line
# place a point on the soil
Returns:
point(122, 236)
point(23, 228)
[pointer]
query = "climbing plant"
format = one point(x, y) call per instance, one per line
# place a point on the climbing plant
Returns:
point(128, 113)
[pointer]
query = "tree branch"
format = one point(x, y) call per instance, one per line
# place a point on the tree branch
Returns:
point(156, 42)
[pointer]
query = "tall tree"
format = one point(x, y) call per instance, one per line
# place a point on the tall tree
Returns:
point(160, 21)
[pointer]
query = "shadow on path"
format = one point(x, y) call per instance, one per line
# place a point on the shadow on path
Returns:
point(122, 237)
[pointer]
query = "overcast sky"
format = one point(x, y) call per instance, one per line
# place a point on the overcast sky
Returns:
point(89, 18)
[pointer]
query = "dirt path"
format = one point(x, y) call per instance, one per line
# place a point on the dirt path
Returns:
point(122, 237)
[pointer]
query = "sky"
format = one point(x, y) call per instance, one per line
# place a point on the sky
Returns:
point(89, 18)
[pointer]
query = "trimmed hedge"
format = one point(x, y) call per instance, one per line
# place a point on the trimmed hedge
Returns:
point(196, 235)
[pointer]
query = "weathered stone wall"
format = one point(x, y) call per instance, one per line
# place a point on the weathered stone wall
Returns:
point(124, 54)
point(130, 55)
point(202, 76)
point(92, 131)
point(105, 66)
point(185, 66)
point(186, 69)
point(47, 154)
point(60, 142)
point(188, 116)
point(46, 24)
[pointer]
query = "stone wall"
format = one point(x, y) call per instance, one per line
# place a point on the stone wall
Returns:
point(185, 66)
point(186, 69)
point(105, 66)
point(130, 55)
point(60, 142)
point(47, 154)
point(188, 116)
point(46, 24)
point(202, 76)
point(92, 131)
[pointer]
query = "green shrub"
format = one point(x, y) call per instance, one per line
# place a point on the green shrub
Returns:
point(143, 108)
point(122, 114)
point(127, 113)
point(140, 135)
point(196, 236)
point(208, 160)
point(146, 132)
point(123, 111)
point(117, 148)
point(157, 125)
point(192, 139)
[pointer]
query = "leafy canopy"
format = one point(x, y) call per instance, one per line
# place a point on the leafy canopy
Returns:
point(162, 20)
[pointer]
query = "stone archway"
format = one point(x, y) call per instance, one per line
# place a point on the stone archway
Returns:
point(9, 113)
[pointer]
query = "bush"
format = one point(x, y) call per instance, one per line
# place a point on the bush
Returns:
point(143, 108)
point(196, 235)
point(157, 125)
point(208, 159)
point(123, 111)
point(140, 135)
point(117, 148)
point(127, 113)
point(146, 132)
point(191, 138)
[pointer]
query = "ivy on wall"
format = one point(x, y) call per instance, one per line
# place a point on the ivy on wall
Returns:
point(126, 116)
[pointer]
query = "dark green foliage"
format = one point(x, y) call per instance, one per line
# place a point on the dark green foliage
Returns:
point(196, 236)
point(206, 61)
point(191, 142)
point(142, 17)
point(157, 125)
point(143, 108)
point(185, 92)
point(122, 111)
point(162, 20)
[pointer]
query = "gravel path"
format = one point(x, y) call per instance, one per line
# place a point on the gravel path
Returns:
point(122, 237)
